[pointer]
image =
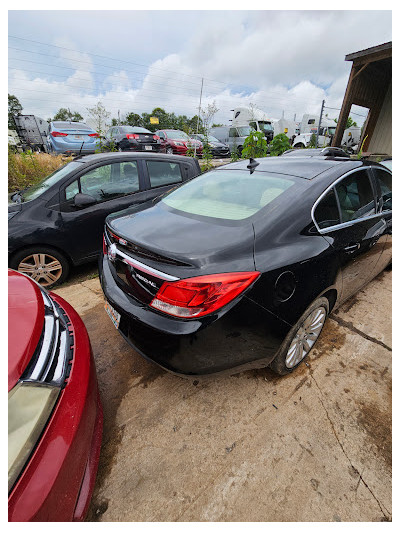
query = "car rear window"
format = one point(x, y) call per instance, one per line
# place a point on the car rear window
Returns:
point(71, 126)
point(228, 194)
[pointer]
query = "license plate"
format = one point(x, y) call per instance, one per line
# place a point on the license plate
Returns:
point(113, 314)
point(147, 147)
point(78, 136)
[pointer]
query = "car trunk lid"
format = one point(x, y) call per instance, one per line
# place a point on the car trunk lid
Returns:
point(160, 244)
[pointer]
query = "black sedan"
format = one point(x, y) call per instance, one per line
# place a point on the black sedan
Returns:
point(240, 267)
point(131, 139)
point(59, 222)
point(216, 147)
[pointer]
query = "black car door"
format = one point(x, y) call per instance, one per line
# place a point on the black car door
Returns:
point(113, 186)
point(348, 217)
point(161, 175)
point(383, 179)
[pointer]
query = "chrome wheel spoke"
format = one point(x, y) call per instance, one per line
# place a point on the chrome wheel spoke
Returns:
point(305, 337)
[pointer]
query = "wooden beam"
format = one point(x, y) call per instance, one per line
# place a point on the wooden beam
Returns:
point(345, 110)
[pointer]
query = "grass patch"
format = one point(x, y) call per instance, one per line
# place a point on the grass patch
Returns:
point(29, 168)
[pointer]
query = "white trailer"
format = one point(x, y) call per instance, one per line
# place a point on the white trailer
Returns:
point(255, 118)
point(288, 127)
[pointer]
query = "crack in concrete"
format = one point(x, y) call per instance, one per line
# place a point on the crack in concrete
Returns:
point(383, 509)
point(351, 327)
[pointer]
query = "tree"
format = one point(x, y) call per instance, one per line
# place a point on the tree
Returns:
point(66, 115)
point(14, 108)
point(100, 116)
point(349, 123)
point(133, 119)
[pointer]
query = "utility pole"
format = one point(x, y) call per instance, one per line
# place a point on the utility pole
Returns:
point(198, 115)
point(319, 123)
point(119, 121)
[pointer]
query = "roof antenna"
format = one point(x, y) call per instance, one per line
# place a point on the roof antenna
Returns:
point(252, 165)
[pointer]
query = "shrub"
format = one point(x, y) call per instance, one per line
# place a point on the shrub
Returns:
point(279, 144)
point(28, 168)
point(254, 145)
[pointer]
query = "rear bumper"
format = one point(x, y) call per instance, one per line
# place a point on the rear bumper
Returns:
point(242, 337)
point(58, 481)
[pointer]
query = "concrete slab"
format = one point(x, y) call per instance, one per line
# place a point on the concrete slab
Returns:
point(311, 446)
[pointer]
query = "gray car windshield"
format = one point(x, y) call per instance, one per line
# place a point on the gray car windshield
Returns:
point(228, 194)
point(43, 185)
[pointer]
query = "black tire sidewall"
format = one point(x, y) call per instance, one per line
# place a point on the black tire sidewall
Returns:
point(18, 256)
point(278, 365)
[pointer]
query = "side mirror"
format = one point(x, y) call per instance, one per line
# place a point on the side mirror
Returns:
point(83, 200)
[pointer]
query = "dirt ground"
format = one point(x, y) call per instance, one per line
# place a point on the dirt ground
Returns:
point(311, 446)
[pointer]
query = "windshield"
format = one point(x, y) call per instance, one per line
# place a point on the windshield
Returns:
point(71, 126)
point(36, 190)
point(244, 131)
point(212, 139)
point(387, 163)
point(228, 194)
point(134, 129)
point(331, 131)
point(266, 126)
point(177, 135)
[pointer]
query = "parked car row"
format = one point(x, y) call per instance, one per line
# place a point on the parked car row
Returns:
point(233, 269)
point(78, 138)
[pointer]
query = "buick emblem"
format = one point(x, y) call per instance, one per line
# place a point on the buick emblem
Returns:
point(112, 252)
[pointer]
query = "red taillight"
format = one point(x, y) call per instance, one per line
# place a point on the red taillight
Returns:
point(195, 297)
point(132, 136)
point(93, 134)
point(104, 246)
point(58, 134)
point(156, 137)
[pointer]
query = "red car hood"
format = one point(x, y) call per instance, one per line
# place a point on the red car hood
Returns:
point(25, 323)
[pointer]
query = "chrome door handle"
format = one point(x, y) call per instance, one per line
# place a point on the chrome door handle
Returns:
point(352, 248)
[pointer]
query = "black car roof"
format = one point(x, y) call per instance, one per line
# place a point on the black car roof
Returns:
point(302, 167)
point(93, 158)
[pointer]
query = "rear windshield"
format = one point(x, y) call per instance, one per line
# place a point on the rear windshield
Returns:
point(134, 129)
point(177, 135)
point(71, 126)
point(228, 194)
point(38, 189)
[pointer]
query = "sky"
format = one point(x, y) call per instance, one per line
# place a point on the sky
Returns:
point(284, 62)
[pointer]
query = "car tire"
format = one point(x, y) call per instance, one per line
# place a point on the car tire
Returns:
point(300, 340)
point(169, 150)
point(47, 266)
point(299, 145)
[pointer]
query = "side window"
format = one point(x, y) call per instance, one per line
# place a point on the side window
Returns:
point(385, 182)
point(71, 190)
point(233, 132)
point(355, 195)
point(163, 173)
point(326, 213)
point(161, 135)
point(111, 181)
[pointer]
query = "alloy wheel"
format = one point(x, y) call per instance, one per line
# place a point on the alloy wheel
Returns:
point(305, 337)
point(43, 268)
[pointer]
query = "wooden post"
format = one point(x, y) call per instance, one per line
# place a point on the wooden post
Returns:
point(345, 111)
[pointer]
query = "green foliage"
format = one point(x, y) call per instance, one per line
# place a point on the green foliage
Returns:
point(279, 144)
point(207, 155)
point(234, 153)
point(66, 115)
point(349, 123)
point(254, 145)
point(14, 108)
point(360, 152)
point(100, 116)
point(28, 168)
point(313, 141)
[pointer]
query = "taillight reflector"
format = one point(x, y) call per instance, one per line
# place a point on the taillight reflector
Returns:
point(58, 134)
point(156, 137)
point(93, 134)
point(104, 246)
point(195, 297)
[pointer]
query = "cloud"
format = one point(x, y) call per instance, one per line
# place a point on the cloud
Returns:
point(282, 61)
